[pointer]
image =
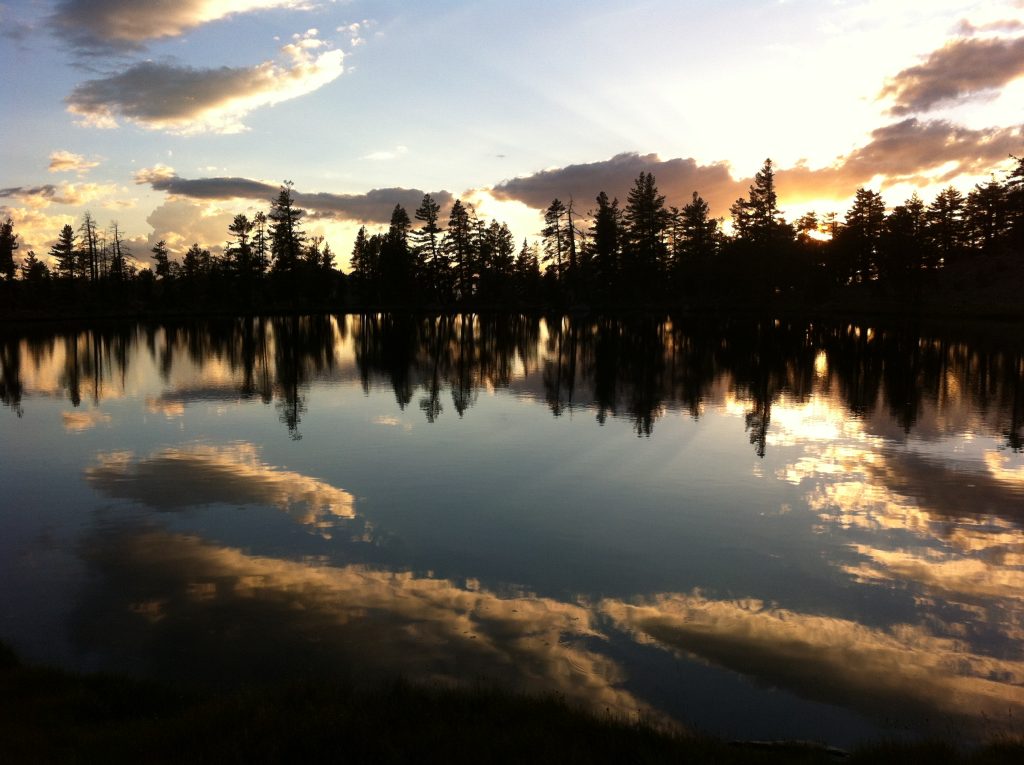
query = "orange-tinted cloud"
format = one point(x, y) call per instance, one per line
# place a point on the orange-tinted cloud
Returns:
point(962, 69)
point(912, 150)
point(187, 100)
point(59, 194)
point(126, 24)
point(198, 475)
point(68, 162)
point(905, 669)
point(350, 620)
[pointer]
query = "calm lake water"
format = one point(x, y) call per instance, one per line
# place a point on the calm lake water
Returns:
point(774, 529)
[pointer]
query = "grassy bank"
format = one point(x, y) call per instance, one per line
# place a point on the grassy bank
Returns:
point(49, 715)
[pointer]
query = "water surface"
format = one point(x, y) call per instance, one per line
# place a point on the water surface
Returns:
point(763, 529)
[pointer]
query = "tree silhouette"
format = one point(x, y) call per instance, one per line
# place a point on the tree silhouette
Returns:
point(286, 235)
point(8, 245)
point(861, 235)
point(63, 252)
point(645, 219)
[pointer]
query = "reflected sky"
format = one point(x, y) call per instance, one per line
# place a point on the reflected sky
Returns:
point(764, 529)
point(200, 474)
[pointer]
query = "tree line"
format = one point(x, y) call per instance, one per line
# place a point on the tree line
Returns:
point(642, 251)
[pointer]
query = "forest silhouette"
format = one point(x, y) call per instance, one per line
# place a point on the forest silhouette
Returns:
point(640, 253)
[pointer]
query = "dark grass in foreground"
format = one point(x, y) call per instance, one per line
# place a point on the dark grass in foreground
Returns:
point(49, 715)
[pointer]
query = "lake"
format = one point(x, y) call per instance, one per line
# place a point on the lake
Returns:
point(763, 529)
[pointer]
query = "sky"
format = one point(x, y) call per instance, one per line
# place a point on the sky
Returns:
point(171, 116)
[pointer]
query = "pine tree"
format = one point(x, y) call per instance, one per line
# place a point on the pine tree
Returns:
point(605, 235)
point(861, 235)
point(260, 247)
point(239, 252)
point(986, 218)
point(527, 271)
point(63, 253)
point(645, 220)
point(8, 245)
point(699, 230)
point(554, 237)
point(34, 270)
point(430, 264)
point(286, 236)
point(161, 256)
point(460, 249)
point(946, 230)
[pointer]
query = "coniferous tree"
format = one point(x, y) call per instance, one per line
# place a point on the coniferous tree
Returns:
point(430, 264)
point(8, 245)
point(239, 254)
point(645, 220)
point(605, 235)
point(985, 217)
point(946, 230)
point(286, 235)
point(527, 271)
point(359, 262)
point(459, 246)
point(699, 230)
point(63, 252)
point(196, 263)
point(162, 257)
point(33, 270)
point(260, 244)
point(904, 249)
point(554, 238)
point(861, 235)
point(396, 261)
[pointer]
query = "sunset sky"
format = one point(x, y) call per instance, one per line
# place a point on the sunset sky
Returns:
point(172, 116)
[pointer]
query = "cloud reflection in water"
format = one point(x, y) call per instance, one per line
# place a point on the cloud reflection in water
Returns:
point(199, 474)
point(192, 607)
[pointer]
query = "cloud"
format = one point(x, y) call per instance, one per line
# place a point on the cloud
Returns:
point(76, 422)
point(968, 29)
point(962, 69)
point(67, 162)
point(182, 477)
point(374, 206)
point(914, 151)
point(98, 25)
point(186, 100)
point(387, 154)
point(892, 672)
point(677, 178)
point(226, 611)
point(12, 27)
point(61, 194)
point(36, 229)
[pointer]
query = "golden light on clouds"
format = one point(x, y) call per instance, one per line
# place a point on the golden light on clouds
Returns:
point(201, 474)
point(370, 621)
point(877, 670)
point(185, 100)
point(68, 162)
point(76, 422)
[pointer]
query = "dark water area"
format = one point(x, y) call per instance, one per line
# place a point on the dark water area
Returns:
point(774, 529)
